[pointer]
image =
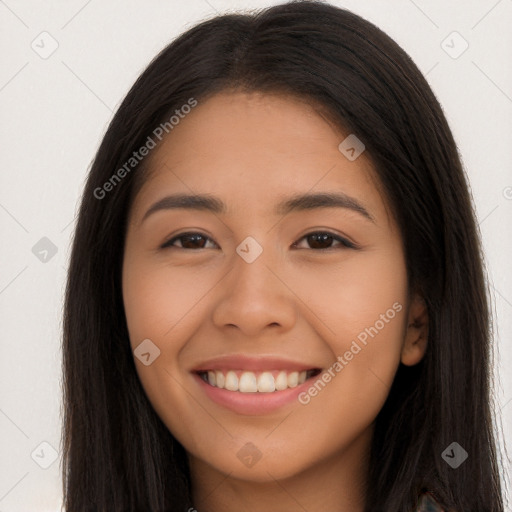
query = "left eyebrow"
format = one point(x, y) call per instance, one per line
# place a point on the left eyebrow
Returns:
point(301, 202)
point(298, 202)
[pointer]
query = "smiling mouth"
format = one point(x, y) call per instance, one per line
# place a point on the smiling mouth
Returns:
point(256, 382)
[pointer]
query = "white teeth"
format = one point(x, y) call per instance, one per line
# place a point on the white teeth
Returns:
point(293, 379)
point(219, 379)
point(249, 382)
point(231, 381)
point(266, 383)
point(281, 381)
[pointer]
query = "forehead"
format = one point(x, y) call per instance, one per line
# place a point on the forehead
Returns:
point(254, 149)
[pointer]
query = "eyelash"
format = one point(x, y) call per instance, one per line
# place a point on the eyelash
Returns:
point(344, 243)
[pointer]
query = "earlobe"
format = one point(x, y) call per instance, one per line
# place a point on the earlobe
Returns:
point(416, 335)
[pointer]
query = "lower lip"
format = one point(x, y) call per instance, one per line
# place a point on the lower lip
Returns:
point(252, 403)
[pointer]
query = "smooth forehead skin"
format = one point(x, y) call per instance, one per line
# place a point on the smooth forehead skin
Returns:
point(202, 155)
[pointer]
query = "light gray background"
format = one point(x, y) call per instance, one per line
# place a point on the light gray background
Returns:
point(54, 112)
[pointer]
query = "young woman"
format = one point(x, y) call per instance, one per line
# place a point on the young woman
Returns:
point(276, 298)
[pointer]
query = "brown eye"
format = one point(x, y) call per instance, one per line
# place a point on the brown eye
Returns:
point(188, 241)
point(324, 240)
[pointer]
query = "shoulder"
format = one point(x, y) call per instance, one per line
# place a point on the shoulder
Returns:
point(427, 503)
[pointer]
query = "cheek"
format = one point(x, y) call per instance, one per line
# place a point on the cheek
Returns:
point(349, 395)
point(146, 299)
point(359, 309)
point(161, 301)
point(350, 296)
point(161, 304)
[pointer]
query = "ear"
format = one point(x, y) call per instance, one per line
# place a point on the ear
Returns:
point(416, 335)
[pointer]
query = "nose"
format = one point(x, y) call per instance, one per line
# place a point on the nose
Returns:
point(255, 297)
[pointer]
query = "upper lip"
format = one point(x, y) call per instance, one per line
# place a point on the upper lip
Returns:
point(250, 363)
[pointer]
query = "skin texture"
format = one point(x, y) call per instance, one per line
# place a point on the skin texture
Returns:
point(297, 302)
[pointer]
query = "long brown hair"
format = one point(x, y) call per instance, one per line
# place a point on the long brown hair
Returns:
point(118, 455)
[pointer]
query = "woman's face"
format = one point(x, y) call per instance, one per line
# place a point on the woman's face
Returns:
point(294, 271)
